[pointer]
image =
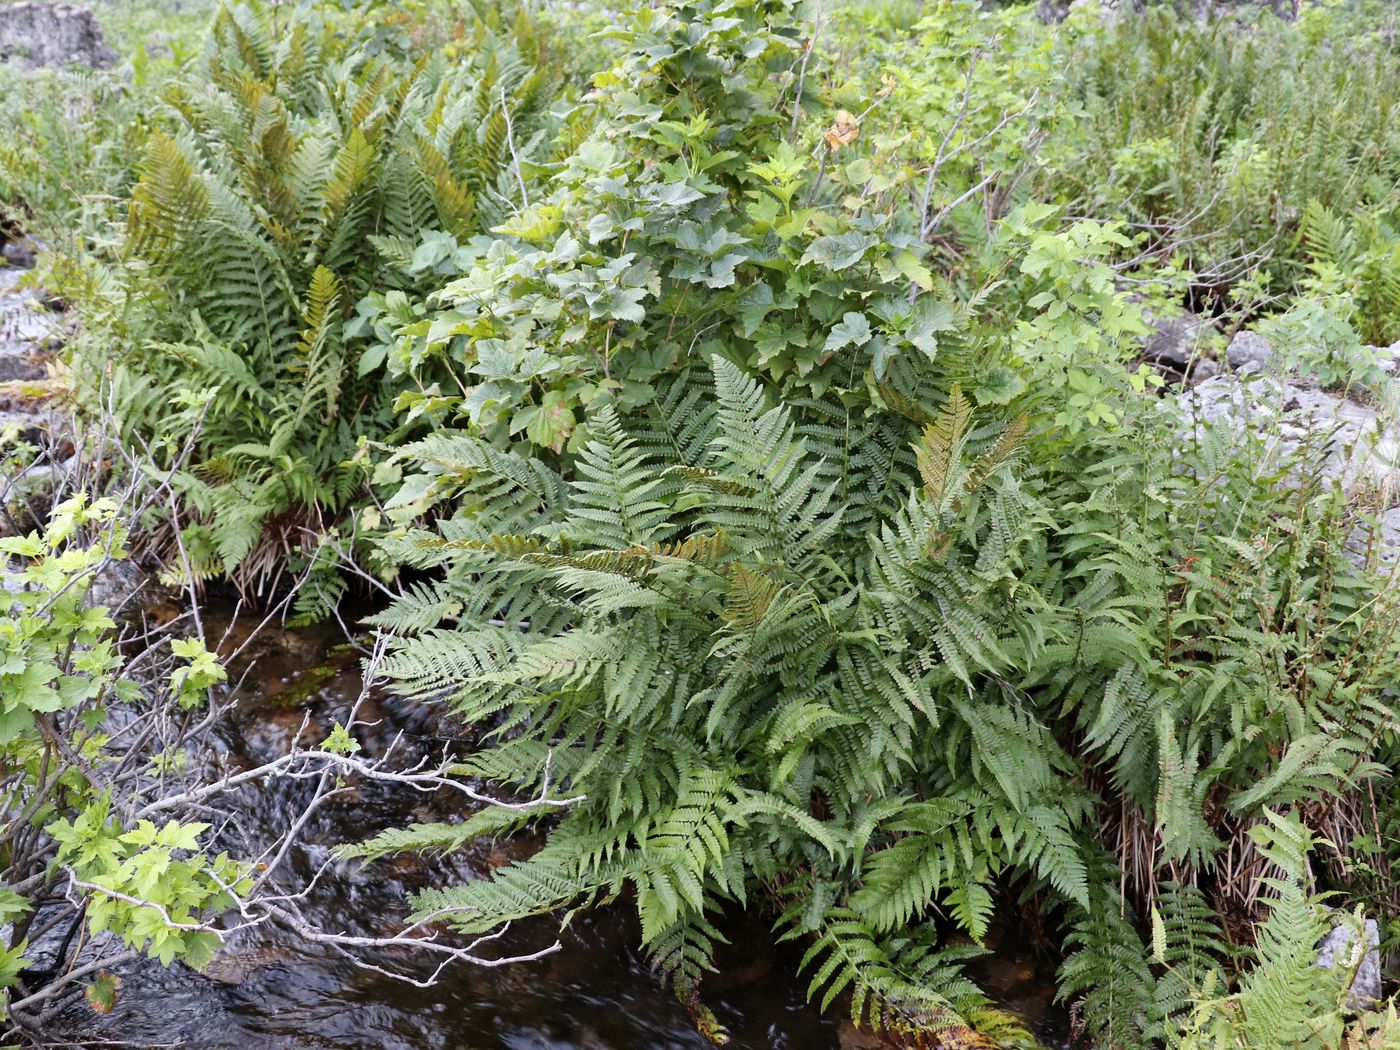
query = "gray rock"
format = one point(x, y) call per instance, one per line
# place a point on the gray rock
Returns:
point(1205, 368)
point(118, 585)
point(19, 253)
point(1351, 442)
point(1176, 341)
point(1389, 357)
point(16, 365)
point(35, 34)
point(1338, 949)
point(1249, 350)
point(1052, 12)
point(26, 331)
point(1380, 537)
point(29, 427)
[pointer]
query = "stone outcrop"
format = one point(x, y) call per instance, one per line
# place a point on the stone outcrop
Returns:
point(1177, 341)
point(35, 35)
point(1248, 350)
point(1353, 442)
point(29, 336)
point(1300, 427)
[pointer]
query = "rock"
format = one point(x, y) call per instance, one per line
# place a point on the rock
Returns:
point(1205, 368)
point(1337, 949)
point(27, 427)
point(21, 324)
point(849, 1037)
point(19, 254)
point(1352, 442)
point(34, 35)
point(1248, 350)
point(1381, 537)
point(241, 956)
point(1052, 12)
point(18, 365)
point(1108, 12)
point(1389, 358)
point(120, 585)
point(1176, 341)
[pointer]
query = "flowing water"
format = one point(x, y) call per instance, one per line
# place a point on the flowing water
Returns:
point(266, 992)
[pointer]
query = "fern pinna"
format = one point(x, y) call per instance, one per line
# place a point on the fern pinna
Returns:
point(288, 177)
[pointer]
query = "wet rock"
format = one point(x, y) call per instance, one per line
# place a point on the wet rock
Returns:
point(1248, 350)
point(19, 254)
point(1176, 341)
point(849, 1037)
point(35, 35)
point(276, 733)
point(243, 954)
point(119, 585)
point(1338, 948)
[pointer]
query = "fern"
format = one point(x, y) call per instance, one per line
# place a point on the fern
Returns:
point(274, 167)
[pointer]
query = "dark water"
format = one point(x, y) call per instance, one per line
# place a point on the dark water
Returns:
point(266, 992)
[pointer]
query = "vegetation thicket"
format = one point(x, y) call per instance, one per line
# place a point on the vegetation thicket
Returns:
point(744, 408)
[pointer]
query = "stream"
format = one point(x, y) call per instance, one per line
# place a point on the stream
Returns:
point(265, 991)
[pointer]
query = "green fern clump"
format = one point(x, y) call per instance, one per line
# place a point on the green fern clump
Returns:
point(672, 637)
point(293, 173)
point(889, 733)
point(1359, 263)
point(68, 154)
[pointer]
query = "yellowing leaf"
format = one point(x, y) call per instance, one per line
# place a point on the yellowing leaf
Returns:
point(843, 131)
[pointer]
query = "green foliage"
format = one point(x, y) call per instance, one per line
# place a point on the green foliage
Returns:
point(701, 667)
point(68, 153)
point(770, 473)
point(906, 727)
point(1227, 159)
point(290, 174)
point(152, 885)
point(917, 607)
point(60, 673)
point(686, 223)
point(1358, 262)
point(1286, 999)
